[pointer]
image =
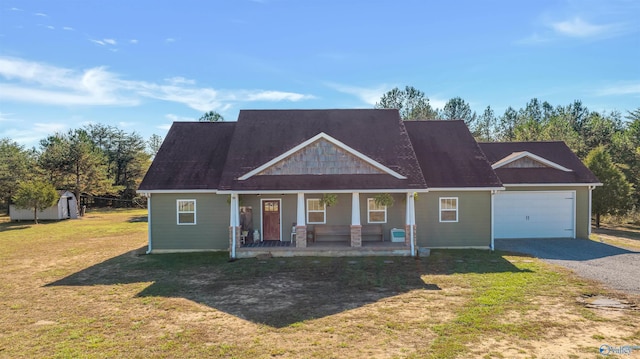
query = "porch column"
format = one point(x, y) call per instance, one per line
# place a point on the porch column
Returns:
point(356, 227)
point(234, 227)
point(301, 227)
point(410, 226)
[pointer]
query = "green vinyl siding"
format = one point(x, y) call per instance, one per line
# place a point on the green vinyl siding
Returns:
point(583, 218)
point(287, 211)
point(395, 214)
point(340, 213)
point(211, 231)
point(473, 228)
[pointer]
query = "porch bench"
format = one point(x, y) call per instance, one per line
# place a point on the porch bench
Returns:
point(373, 230)
point(335, 230)
point(331, 230)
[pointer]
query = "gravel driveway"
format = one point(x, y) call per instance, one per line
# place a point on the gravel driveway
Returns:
point(617, 268)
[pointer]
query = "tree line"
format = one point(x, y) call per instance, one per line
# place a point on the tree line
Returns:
point(607, 142)
point(95, 160)
point(102, 160)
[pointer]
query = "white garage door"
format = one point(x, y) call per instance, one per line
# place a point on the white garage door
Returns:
point(520, 214)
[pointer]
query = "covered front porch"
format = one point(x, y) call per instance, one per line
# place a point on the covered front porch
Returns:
point(354, 227)
point(321, 249)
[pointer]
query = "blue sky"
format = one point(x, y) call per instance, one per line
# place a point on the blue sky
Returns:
point(139, 65)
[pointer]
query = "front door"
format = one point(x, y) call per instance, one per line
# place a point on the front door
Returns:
point(271, 220)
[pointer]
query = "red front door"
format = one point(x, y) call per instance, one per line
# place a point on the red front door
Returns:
point(271, 220)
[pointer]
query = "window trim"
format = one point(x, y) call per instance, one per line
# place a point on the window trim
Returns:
point(369, 210)
point(440, 210)
point(178, 212)
point(324, 211)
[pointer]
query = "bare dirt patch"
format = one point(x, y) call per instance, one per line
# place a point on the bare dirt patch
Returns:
point(623, 236)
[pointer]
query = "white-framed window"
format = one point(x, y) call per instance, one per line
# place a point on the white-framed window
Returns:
point(376, 213)
point(316, 211)
point(448, 209)
point(186, 211)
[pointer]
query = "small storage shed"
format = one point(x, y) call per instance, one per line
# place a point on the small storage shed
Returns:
point(67, 207)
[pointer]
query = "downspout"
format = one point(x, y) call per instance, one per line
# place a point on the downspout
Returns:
point(493, 192)
point(412, 221)
point(591, 188)
point(234, 213)
point(148, 195)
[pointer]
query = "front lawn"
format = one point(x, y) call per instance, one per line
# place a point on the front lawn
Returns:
point(84, 288)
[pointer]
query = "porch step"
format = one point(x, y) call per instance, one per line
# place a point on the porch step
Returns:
point(324, 251)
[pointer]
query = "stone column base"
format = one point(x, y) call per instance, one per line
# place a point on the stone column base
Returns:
point(301, 236)
point(238, 243)
point(356, 236)
point(407, 234)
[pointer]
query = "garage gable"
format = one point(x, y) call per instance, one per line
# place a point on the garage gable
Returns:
point(525, 159)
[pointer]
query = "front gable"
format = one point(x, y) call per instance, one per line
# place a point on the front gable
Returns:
point(321, 155)
point(525, 159)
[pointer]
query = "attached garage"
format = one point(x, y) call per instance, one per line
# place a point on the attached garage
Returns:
point(535, 214)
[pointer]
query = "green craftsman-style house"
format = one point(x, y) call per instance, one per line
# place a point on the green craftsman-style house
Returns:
point(356, 182)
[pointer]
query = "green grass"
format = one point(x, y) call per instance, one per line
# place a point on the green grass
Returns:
point(83, 288)
point(496, 290)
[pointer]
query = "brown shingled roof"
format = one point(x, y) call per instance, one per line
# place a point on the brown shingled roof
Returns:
point(449, 155)
point(262, 135)
point(192, 156)
point(557, 152)
point(429, 154)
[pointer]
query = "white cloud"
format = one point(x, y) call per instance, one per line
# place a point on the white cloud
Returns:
point(41, 14)
point(40, 83)
point(369, 95)
point(33, 82)
point(577, 27)
point(104, 42)
point(50, 27)
point(179, 80)
point(127, 124)
point(627, 88)
point(276, 96)
point(175, 118)
point(133, 41)
point(437, 103)
point(535, 38)
point(49, 128)
point(6, 117)
point(68, 28)
point(16, 9)
point(34, 133)
point(372, 95)
point(170, 39)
